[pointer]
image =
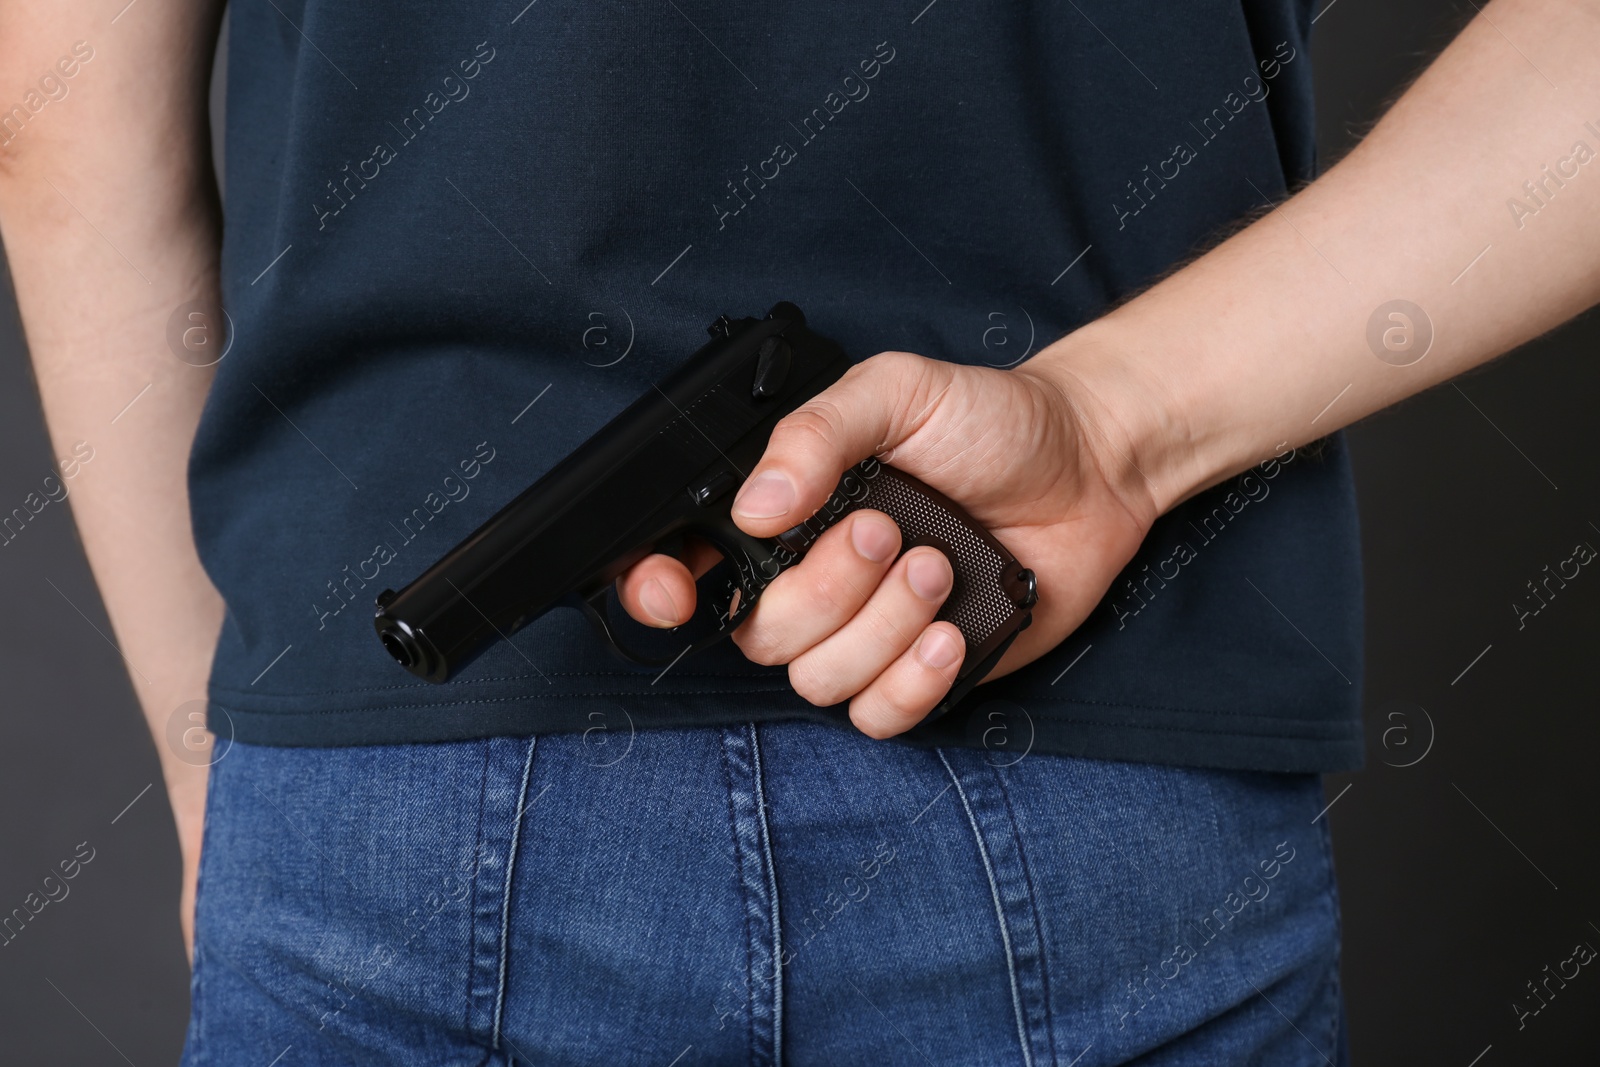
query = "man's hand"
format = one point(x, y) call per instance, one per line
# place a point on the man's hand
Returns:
point(1261, 343)
point(852, 621)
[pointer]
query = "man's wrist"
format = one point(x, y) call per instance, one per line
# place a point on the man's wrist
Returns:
point(1138, 431)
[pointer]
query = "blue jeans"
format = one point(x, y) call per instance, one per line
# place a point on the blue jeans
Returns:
point(794, 893)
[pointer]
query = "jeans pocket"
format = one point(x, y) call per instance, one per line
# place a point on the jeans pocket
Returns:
point(351, 901)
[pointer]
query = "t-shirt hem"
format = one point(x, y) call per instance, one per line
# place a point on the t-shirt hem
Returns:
point(1239, 740)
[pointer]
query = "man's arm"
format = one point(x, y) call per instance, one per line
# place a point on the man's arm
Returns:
point(1476, 198)
point(1259, 345)
point(110, 217)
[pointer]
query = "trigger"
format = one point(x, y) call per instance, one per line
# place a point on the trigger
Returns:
point(670, 545)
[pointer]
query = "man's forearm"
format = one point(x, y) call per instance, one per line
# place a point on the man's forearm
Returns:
point(109, 214)
point(1280, 334)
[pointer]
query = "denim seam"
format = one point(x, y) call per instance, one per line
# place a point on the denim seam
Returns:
point(1338, 945)
point(772, 889)
point(756, 881)
point(744, 902)
point(1338, 1005)
point(472, 890)
point(999, 911)
point(1033, 906)
point(505, 900)
point(1213, 805)
point(197, 1022)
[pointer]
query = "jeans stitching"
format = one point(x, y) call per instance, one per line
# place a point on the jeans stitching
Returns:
point(744, 899)
point(505, 900)
point(1033, 906)
point(472, 891)
point(1338, 947)
point(999, 911)
point(772, 889)
point(196, 1023)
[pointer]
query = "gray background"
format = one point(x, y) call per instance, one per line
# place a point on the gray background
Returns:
point(1462, 875)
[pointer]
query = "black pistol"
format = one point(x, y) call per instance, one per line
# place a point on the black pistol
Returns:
point(669, 465)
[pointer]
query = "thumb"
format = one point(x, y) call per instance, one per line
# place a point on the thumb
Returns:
point(875, 406)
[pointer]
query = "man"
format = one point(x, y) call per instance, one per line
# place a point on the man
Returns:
point(430, 212)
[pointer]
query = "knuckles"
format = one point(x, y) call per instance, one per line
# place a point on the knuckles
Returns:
point(814, 687)
point(825, 589)
point(819, 421)
point(832, 594)
point(876, 720)
point(893, 363)
point(758, 647)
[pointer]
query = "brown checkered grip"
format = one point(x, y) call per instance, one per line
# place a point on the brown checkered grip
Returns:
point(991, 600)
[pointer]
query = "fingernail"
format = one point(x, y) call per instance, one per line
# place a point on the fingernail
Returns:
point(929, 575)
point(938, 649)
point(654, 599)
point(873, 537)
point(766, 496)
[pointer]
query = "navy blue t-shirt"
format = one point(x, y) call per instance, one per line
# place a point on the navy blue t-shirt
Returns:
point(460, 238)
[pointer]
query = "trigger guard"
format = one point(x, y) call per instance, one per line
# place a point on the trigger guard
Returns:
point(593, 607)
point(750, 560)
point(750, 579)
point(727, 619)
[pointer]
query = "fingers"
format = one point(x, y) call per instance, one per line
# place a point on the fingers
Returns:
point(850, 620)
point(872, 407)
point(659, 590)
point(912, 685)
point(893, 618)
point(822, 592)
